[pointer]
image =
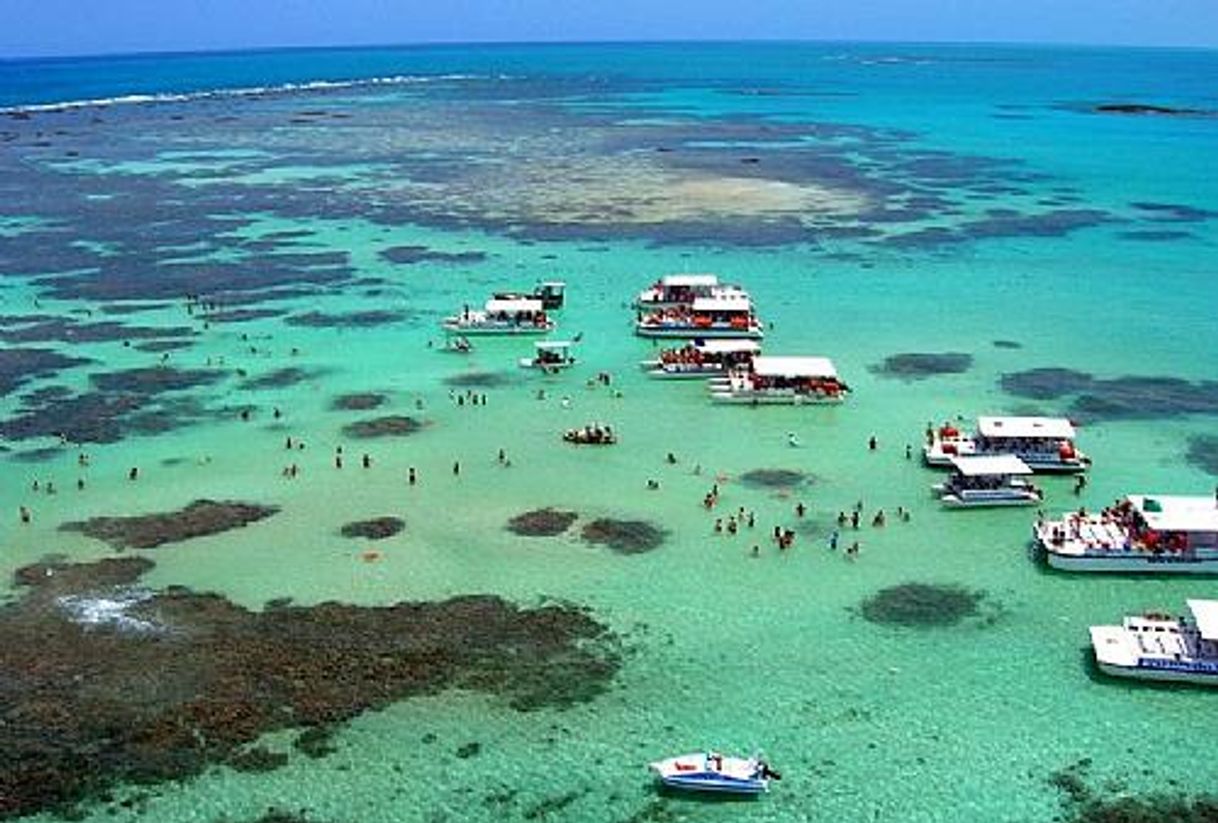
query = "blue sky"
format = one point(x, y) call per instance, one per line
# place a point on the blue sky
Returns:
point(64, 27)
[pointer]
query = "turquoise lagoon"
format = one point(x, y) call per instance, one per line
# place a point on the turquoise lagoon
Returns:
point(876, 200)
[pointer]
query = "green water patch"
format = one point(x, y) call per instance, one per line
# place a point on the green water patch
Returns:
point(376, 528)
point(624, 536)
point(1203, 453)
point(922, 365)
point(216, 677)
point(358, 401)
point(1081, 803)
point(545, 522)
point(922, 605)
point(347, 320)
point(199, 519)
point(1132, 397)
point(775, 478)
point(410, 255)
point(393, 425)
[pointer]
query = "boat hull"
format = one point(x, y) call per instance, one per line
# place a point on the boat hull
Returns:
point(486, 331)
point(1037, 463)
point(690, 332)
point(728, 398)
point(734, 787)
point(1121, 562)
point(1161, 674)
point(953, 501)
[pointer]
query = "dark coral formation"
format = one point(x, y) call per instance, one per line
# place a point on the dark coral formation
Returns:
point(394, 425)
point(20, 366)
point(1120, 398)
point(1006, 344)
point(147, 531)
point(173, 681)
point(479, 380)
point(1203, 453)
point(351, 320)
point(624, 536)
point(377, 528)
point(154, 380)
point(545, 522)
point(919, 365)
point(1082, 804)
point(408, 255)
point(281, 378)
point(1146, 108)
point(358, 401)
point(774, 478)
point(922, 605)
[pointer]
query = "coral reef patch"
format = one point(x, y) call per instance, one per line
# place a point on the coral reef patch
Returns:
point(624, 536)
point(921, 605)
point(147, 531)
point(545, 522)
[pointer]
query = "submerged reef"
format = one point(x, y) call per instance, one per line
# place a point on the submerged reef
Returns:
point(921, 605)
point(147, 531)
point(378, 528)
point(919, 366)
point(1082, 804)
point(20, 366)
point(1203, 453)
point(281, 378)
point(350, 320)
point(624, 536)
point(1146, 108)
point(108, 683)
point(545, 522)
point(775, 478)
point(479, 380)
point(1120, 398)
point(358, 401)
point(408, 255)
point(394, 425)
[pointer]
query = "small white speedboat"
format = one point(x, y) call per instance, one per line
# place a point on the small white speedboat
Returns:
point(713, 772)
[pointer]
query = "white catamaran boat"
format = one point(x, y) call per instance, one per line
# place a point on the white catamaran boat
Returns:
point(1046, 444)
point(703, 358)
point(713, 772)
point(550, 356)
point(682, 289)
point(1142, 533)
point(781, 381)
point(720, 316)
point(992, 480)
point(1162, 647)
point(517, 315)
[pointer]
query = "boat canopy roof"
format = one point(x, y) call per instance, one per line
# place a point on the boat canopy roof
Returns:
point(513, 304)
point(553, 345)
point(727, 301)
point(690, 280)
point(726, 345)
point(1206, 612)
point(990, 465)
point(1058, 428)
point(1177, 513)
point(552, 284)
point(770, 366)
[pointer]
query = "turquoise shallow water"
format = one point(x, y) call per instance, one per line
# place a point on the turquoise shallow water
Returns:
point(544, 161)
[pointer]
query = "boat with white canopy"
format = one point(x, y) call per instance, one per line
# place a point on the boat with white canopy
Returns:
point(990, 480)
point(517, 315)
point(551, 293)
point(1158, 646)
point(1046, 444)
point(772, 380)
point(682, 289)
point(703, 358)
point(1160, 533)
point(720, 316)
point(549, 356)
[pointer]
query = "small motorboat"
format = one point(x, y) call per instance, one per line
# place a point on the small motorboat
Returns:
point(550, 357)
point(594, 434)
point(713, 772)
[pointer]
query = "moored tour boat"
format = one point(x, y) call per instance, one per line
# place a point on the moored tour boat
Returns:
point(713, 772)
point(1142, 533)
point(682, 289)
point(550, 356)
point(517, 315)
point(720, 316)
point(702, 358)
point(1162, 647)
point(1046, 444)
point(993, 480)
point(781, 381)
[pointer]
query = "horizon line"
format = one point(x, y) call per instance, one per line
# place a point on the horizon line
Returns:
point(425, 44)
